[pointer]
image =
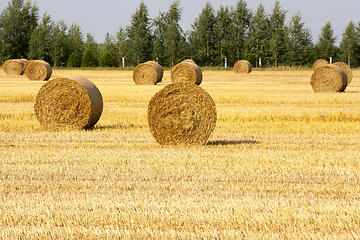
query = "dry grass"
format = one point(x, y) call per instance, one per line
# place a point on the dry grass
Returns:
point(282, 163)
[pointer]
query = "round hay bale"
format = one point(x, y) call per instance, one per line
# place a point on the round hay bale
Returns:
point(188, 60)
point(38, 70)
point(318, 63)
point(242, 67)
point(23, 60)
point(186, 71)
point(148, 73)
point(347, 70)
point(182, 113)
point(13, 67)
point(328, 78)
point(68, 102)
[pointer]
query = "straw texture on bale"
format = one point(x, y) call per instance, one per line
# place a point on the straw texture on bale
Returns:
point(242, 66)
point(38, 70)
point(148, 73)
point(13, 67)
point(320, 62)
point(328, 78)
point(186, 71)
point(68, 102)
point(182, 113)
point(347, 70)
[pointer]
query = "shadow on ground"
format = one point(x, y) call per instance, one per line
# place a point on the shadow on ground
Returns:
point(231, 142)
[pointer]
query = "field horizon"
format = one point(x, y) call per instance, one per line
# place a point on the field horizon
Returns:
point(282, 163)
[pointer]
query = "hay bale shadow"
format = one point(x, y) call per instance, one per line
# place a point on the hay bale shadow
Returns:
point(231, 142)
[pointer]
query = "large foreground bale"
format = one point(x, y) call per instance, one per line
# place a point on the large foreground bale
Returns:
point(148, 73)
point(13, 67)
point(38, 70)
point(328, 78)
point(318, 63)
point(68, 102)
point(242, 67)
point(182, 113)
point(187, 71)
point(347, 70)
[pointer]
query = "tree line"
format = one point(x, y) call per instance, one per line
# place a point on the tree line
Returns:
point(232, 33)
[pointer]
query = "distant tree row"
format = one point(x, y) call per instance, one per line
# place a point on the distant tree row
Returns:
point(232, 33)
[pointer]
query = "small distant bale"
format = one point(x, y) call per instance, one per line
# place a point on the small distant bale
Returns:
point(347, 70)
point(13, 67)
point(68, 102)
point(38, 70)
point(328, 78)
point(182, 113)
point(186, 71)
point(242, 67)
point(318, 63)
point(148, 73)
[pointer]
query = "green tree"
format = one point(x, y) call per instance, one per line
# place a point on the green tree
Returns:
point(120, 42)
point(76, 41)
point(89, 59)
point(202, 36)
point(326, 44)
point(110, 46)
point(74, 60)
point(60, 45)
point(139, 36)
point(222, 34)
point(106, 60)
point(159, 25)
point(17, 22)
point(173, 34)
point(349, 45)
point(299, 41)
point(277, 34)
point(258, 42)
point(241, 16)
point(41, 40)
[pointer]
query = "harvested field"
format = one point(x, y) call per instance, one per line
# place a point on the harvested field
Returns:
point(282, 163)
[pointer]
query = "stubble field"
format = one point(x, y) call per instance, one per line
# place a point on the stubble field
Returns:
point(282, 163)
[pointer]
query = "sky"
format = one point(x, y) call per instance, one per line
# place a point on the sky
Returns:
point(99, 17)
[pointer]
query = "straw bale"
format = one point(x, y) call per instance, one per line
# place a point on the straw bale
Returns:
point(186, 71)
point(318, 63)
point(13, 67)
point(68, 102)
point(23, 60)
point(182, 113)
point(38, 70)
point(188, 60)
point(148, 73)
point(242, 67)
point(328, 78)
point(347, 70)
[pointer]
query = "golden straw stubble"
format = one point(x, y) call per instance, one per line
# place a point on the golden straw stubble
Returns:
point(182, 113)
point(68, 102)
point(328, 78)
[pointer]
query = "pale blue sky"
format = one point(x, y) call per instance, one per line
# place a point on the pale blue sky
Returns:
point(99, 17)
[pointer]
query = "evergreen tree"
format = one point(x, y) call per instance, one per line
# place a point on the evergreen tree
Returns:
point(258, 42)
point(17, 22)
point(223, 34)
point(89, 59)
point(120, 42)
point(277, 34)
point(76, 44)
point(173, 34)
point(299, 41)
point(106, 60)
point(241, 16)
point(60, 46)
point(41, 40)
point(91, 44)
point(159, 24)
point(74, 60)
point(326, 44)
point(202, 36)
point(139, 35)
point(349, 45)
point(110, 47)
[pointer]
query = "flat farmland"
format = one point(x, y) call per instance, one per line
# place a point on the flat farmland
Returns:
point(282, 163)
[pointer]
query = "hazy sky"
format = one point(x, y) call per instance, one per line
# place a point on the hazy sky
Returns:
point(99, 17)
